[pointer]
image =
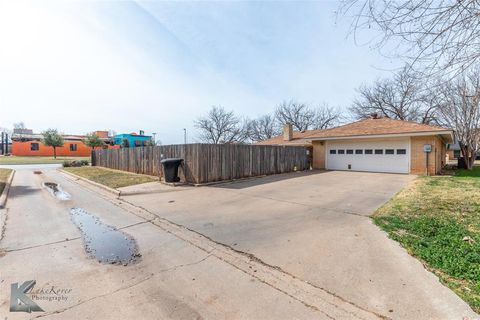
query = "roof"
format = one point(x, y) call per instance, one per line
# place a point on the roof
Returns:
point(364, 128)
point(298, 138)
point(378, 126)
point(134, 135)
point(39, 136)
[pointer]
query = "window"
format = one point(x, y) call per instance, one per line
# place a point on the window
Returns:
point(368, 151)
point(341, 151)
point(349, 151)
point(378, 151)
point(73, 147)
point(389, 151)
point(34, 146)
point(401, 151)
point(359, 151)
point(333, 151)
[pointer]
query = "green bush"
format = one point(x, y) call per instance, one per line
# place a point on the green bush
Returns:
point(75, 163)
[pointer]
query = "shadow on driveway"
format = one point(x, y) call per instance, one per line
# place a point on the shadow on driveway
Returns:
point(19, 191)
point(261, 180)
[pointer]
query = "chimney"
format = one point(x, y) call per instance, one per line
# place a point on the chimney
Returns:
point(287, 132)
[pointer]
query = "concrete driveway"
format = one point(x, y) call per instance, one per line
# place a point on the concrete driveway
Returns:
point(315, 226)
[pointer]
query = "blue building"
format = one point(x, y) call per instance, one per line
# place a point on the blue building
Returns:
point(134, 139)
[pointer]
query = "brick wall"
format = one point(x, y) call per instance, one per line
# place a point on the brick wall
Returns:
point(436, 158)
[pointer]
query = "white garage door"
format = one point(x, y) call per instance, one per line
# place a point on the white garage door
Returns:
point(376, 156)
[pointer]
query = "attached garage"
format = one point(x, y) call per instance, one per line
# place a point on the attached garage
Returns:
point(369, 155)
point(375, 145)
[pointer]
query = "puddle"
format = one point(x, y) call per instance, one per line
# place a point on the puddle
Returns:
point(103, 242)
point(56, 191)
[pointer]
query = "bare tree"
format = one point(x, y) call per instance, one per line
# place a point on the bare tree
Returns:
point(401, 97)
point(303, 117)
point(326, 117)
point(19, 125)
point(298, 114)
point(221, 126)
point(263, 128)
point(459, 102)
point(435, 34)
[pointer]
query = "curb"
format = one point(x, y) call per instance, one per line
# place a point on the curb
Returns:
point(3, 197)
point(116, 192)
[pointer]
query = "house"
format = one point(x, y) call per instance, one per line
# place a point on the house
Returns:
point(134, 139)
point(374, 144)
point(27, 143)
point(453, 151)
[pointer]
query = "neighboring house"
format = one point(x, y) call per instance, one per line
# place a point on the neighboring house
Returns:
point(453, 151)
point(27, 143)
point(134, 139)
point(374, 144)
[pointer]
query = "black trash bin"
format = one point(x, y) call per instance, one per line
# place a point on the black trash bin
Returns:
point(170, 169)
point(461, 163)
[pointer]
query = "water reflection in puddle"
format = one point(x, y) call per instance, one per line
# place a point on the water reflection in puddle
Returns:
point(56, 191)
point(103, 242)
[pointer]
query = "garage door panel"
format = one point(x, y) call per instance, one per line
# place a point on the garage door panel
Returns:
point(369, 156)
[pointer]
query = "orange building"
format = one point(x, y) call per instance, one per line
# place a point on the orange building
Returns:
point(30, 144)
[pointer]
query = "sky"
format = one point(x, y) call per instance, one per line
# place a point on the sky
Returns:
point(81, 66)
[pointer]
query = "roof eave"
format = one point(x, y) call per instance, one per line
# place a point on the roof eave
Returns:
point(447, 134)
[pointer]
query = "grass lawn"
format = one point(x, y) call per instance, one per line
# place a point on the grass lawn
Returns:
point(110, 178)
point(37, 160)
point(4, 174)
point(437, 219)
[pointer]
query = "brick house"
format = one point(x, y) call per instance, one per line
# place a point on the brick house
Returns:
point(375, 145)
point(27, 143)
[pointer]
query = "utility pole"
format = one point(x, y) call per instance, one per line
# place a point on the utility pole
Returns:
point(184, 136)
point(2, 143)
point(154, 140)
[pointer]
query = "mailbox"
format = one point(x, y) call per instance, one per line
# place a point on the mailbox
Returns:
point(427, 148)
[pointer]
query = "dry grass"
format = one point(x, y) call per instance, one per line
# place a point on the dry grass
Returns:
point(110, 178)
point(4, 174)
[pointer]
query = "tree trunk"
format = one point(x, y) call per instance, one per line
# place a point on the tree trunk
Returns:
point(471, 161)
point(54, 152)
point(469, 156)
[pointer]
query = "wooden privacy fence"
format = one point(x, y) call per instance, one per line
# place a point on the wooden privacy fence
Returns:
point(205, 163)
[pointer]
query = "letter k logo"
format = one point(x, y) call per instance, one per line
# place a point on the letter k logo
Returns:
point(19, 302)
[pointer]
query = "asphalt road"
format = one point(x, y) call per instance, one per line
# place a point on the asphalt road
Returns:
point(180, 275)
